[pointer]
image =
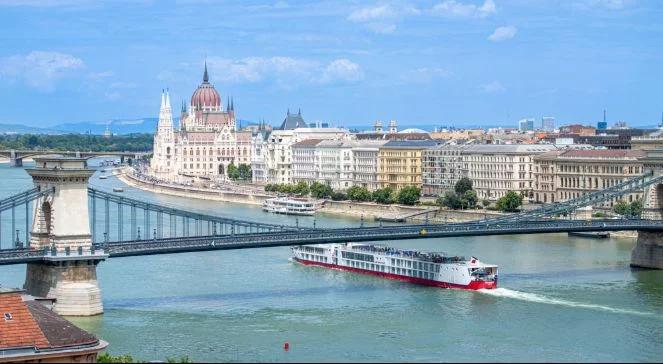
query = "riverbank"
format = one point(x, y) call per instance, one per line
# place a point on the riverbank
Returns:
point(367, 210)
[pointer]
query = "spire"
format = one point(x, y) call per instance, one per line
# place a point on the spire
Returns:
point(163, 99)
point(299, 112)
point(205, 76)
point(167, 99)
point(183, 106)
point(227, 103)
point(232, 103)
point(604, 115)
point(288, 111)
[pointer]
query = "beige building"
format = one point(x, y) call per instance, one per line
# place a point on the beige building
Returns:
point(399, 163)
point(497, 169)
point(564, 175)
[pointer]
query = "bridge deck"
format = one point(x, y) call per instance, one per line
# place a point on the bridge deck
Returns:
point(326, 236)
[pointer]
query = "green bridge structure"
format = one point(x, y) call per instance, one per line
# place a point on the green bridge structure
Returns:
point(62, 228)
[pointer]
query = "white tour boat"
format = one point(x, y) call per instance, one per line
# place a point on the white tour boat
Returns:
point(431, 269)
point(289, 206)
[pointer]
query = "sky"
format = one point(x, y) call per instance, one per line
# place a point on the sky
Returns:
point(439, 62)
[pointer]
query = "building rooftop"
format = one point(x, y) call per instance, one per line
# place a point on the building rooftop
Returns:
point(411, 144)
point(27, 327)
point(307, 143)
point(509, 148)
point(293, 121)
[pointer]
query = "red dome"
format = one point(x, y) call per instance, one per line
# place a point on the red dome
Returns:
point(206, 96)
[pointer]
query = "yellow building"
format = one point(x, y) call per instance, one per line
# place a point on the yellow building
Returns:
point(399, 163)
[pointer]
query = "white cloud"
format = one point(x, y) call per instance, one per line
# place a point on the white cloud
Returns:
point(503, 33)
point(425, 75)
point(342, 70)
point(285, 71)
point(382, 18)
point(455, 9)
point(39, 69)
point(493, 87)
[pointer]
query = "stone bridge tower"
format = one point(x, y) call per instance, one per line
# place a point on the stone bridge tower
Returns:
point(648, 251)
point(61, 226)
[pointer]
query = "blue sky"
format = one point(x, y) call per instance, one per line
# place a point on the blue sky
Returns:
point(450, 62)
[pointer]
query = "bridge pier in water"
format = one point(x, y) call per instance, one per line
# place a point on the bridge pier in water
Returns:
point(61, 228)
point(648, 251)
point(15, 160)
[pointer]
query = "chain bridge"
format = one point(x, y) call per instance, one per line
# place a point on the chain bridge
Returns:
point(62, 229)
point(16, 157)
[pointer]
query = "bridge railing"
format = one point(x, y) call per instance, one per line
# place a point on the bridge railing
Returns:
point(18, 207)
point(589, 199)
point(148, 220)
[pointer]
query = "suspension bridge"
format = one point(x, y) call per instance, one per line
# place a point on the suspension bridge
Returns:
point(62, 229)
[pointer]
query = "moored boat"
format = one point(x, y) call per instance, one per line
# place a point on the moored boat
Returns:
point(431, 269)
point(289, 206)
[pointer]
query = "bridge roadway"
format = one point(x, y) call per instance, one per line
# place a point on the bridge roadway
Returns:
point(341, 235)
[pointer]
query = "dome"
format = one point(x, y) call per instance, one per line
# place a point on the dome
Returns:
point(205, 95)
point(413, 131)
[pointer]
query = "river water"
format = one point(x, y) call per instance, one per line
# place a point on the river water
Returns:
point(561, 299)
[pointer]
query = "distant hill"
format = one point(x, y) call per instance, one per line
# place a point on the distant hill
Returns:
point(22, 129)
point(118, 126)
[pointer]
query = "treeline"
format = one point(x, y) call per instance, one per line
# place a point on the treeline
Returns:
point(408, 195)
point(78, 142)
point(464, 197)
point(242, 172)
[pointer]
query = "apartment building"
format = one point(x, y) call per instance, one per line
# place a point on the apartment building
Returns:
point(442, 167)
point(497, 169)
point(400, 162)
point(568, 174)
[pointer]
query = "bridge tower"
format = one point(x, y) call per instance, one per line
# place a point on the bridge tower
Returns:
point(61, 228)
point(15, 160)
point(648, 251)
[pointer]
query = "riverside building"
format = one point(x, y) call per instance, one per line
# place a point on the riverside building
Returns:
point(568, 174)
point(340, 164)
point(497, 169)
point(206, 142)
point(442, 167)
point(400, 161)
point(275, 163)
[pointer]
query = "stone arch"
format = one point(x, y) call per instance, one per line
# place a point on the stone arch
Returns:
point(47, 217)
point(167, 150)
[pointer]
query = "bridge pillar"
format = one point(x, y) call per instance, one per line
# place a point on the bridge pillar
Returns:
point(61, 229)
point(15, 160)
point(648, 250)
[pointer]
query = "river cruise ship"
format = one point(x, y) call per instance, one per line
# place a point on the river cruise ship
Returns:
point(289, 206)
point(431, 269)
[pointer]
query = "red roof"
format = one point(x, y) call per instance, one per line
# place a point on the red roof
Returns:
point(17, 326)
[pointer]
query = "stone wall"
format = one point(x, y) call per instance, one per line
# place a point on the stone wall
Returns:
point(648, 251)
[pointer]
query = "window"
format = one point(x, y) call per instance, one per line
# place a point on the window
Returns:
point(8, 316)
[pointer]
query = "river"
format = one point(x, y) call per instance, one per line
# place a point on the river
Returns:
point(560, 299)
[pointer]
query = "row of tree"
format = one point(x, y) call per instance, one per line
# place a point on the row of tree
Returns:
point(465, 197)
point(409, 195)
point(628, 210)
point(242, 172)
point(80, 142)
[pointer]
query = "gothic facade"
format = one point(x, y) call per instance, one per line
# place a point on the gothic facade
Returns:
point(206, 142)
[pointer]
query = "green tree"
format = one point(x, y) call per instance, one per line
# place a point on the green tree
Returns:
point(320, 190)
point(469, 199)
point(621, 208)
point(245, 172)
point(485, 202)
point(636, 208)
point(301, 189)
point(357, 193)
point(339, 196)
point(450, 200)
point(463, 185)
point(233, 172)
point(383, 195)
point(408, 195)
point(510, 202)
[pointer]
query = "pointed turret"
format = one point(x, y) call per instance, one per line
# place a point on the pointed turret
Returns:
point(165, 115)
point(232, 103)
point(167, 99)
point(205, 76)
point(163, 99)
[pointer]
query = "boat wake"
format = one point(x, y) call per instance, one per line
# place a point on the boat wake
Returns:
point(533, 297)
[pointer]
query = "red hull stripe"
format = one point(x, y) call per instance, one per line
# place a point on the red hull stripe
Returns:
point(426, 282)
